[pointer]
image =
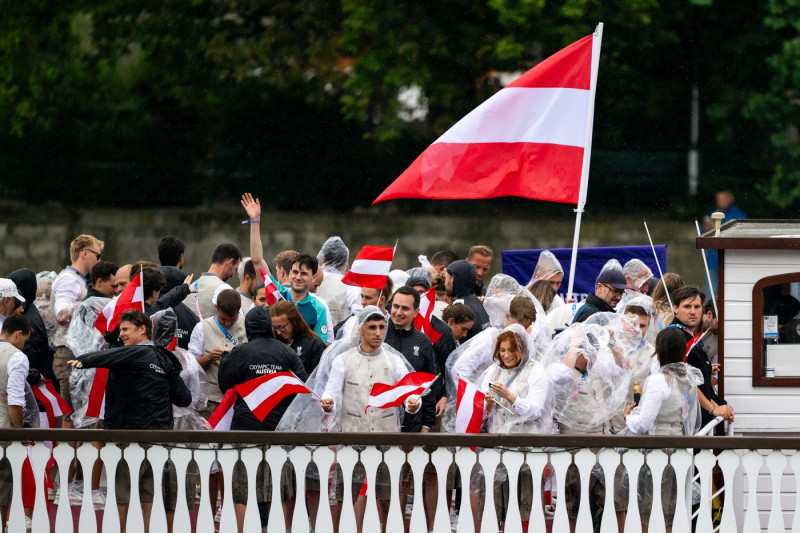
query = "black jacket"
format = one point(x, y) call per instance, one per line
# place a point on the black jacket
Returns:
point(309, 350)
point(91, 292)
point(464, 277)
point(442, 349)
point(260, 355)
point(143, 383)
point(698, 358)
point(187, 320)
point(593, 305)
point(418, 350)
point(37, 349)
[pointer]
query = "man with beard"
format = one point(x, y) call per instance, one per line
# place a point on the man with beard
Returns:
point(609, 288)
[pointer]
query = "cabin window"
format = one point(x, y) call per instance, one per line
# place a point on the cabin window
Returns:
point(776, 331)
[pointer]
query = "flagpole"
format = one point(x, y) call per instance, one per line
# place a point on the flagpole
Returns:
point(314, 394)
point(496, 402)
point(660, 273)
point(708, 273)
point(587, 155)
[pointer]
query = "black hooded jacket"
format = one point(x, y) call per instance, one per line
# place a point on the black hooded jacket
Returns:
point(143, 382)
point(37, 349)
point(187, 320)
point(416, 347)
point(309, 350)
point(260, 355)
point(442, 349)
point(464, 277)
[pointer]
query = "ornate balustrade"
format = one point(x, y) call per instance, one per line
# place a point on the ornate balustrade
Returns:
point(740, 460)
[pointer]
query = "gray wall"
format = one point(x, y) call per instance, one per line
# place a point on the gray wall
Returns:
point(38, 237)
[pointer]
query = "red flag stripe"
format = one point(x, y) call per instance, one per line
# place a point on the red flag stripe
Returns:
point(96, 406)
point(375, 253)
point(270, 290)
point(548, 172)
point(222, 416)
point(569, 68)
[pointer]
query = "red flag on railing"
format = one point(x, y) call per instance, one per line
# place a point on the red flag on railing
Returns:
point(527, 140)
point(371, 267)
point(262, 394)
point(384, 396)
point(423, 319)
point(131, 297)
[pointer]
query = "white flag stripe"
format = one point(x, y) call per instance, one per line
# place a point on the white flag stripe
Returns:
point(553, 116)
point(267, 389)
point(103, 407)
point(371, 267)
point(464, 411)
point(225, 421)
point(393, 394)
point(52, 400)
point(44, 423)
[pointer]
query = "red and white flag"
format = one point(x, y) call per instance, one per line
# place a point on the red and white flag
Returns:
point(220, 419)
point(262, 394)
point(469, 407)
point(272, 292)
point(527, 140)
point(371, 267)
point(96, 406)
point(384, 396)
point(54, 405)
point(131, 297)
point(694, 341)
point(423, 319)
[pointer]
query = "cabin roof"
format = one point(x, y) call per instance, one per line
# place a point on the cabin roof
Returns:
point(754, 234)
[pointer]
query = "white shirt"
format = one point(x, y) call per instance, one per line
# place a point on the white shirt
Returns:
point(335, 385)
point(196, 341)
point(66, 292)
point(17, 370)
point(656, 390)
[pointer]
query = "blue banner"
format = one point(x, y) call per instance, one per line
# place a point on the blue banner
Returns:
point(520, 264)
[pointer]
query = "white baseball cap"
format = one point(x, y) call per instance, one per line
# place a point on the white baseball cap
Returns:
point(9, 289)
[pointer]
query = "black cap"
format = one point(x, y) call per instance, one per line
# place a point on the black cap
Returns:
point(613, 277)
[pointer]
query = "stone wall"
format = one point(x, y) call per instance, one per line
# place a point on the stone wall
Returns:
point(38, 237)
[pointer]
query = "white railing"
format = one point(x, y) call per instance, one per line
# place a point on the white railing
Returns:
point(740, 461)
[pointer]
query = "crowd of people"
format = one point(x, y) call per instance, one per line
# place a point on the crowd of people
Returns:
point(541, 364)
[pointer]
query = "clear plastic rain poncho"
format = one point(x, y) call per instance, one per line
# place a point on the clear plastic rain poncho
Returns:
point(499, 287)
point(646, 302)
point(678, 412)
point(334, 254)
point(30, 413)
point(305, 412)
point(637, 273)
point(529, 382)
point(546, 267)
point(82, 338)
point(44, 285)
point(585, 401)
point(424, 270)
point(165, 326)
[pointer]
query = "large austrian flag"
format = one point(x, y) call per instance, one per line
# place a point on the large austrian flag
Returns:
point(270, 290)
point(262, 394)
point(370, 267)
point(131, 297)
point(221, 418)
point(527, 140)
point(384, 396)
point(469, 407)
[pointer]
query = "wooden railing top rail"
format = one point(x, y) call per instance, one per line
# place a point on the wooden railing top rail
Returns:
point(410, 439)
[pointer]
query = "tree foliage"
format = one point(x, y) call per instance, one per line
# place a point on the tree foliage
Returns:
point(195, 99)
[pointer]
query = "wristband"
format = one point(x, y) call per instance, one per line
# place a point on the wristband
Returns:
point(251, 220)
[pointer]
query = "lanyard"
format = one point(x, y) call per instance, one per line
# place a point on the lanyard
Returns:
point(79, 274)
point(225, 332)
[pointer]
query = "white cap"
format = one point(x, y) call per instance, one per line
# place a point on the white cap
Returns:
point(9, 289)
point(222, 287)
